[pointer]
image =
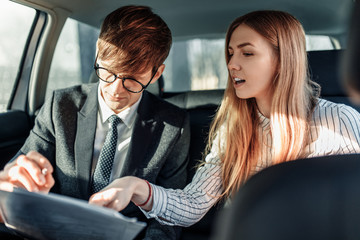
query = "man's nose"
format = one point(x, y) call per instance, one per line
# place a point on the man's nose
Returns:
point(117, 86)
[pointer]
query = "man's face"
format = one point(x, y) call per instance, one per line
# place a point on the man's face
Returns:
point(115, 95)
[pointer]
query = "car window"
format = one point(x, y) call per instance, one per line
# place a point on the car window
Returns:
point(319, 42)
point(194, 64)
point(199, 64)
point(74, 56)
point(14, 29)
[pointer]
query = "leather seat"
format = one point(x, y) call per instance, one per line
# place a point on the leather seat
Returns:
point(309, 199)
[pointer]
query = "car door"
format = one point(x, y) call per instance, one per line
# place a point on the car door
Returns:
point(21, 28)
point(45, 50)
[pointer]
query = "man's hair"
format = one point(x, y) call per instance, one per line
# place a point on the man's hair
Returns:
point(134, 39)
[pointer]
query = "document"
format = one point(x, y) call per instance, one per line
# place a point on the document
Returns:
point(54, 216)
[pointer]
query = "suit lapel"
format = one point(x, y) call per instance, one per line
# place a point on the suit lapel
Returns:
point(142, 135)
point(84, 142)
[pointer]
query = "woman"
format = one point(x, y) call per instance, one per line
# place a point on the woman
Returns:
point(270, 114)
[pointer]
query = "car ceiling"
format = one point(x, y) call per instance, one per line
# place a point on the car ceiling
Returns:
point(187, 18)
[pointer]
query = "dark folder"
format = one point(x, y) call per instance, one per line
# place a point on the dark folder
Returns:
point(54, 216)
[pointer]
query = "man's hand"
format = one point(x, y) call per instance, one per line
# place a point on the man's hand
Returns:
point(31, 171)
point(118, 194)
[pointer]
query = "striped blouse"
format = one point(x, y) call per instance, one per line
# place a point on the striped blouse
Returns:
point(335, 129)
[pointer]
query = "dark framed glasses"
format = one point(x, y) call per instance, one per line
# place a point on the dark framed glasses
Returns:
point(130, 84)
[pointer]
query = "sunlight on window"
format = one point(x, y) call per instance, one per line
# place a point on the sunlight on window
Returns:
point(12, 43)
point(74, 56)
point(195, 65)
point(318, 42)
point(199, 64)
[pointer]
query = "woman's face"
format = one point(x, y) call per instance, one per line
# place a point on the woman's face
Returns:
point(252, 64)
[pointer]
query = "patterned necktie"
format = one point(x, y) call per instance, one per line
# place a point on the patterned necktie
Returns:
point(104, 165)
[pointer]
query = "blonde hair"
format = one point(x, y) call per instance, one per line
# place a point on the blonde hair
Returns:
point(291, 107)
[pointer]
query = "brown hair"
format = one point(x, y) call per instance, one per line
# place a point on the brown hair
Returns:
point(291, 106)
point(134, 39)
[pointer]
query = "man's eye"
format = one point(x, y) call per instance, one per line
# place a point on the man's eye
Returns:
point(129, 77)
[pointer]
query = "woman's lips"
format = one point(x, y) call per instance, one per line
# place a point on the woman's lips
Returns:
point(238, 80)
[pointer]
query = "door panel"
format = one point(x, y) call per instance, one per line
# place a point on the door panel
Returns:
point(14, 128)
point(20, 44)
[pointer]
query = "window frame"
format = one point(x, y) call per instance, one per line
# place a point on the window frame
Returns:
point(19, 97)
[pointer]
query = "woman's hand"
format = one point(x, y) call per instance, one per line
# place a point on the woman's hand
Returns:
point(31, 171)
point(118, 194)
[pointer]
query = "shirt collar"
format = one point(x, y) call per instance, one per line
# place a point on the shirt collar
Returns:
point(264, 121)
point(127, 116)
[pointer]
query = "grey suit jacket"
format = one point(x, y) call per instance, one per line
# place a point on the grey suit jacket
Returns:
point(64, 132)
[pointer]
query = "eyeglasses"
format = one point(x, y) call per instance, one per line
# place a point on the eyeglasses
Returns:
point(130, 84)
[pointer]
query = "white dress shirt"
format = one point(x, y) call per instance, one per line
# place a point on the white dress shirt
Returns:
point(125, 129)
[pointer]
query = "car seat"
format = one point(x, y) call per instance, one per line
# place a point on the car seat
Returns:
point(302, 199)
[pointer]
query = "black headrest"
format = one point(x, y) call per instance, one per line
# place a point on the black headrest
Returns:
point(157, 88)
point(197, 99)
point(351, 60)
point(324, 69)
point(309, 199)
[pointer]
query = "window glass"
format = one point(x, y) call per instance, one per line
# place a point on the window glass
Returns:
point(74, 56)
point(14, 29)
point(318, 42)
point(199, 64)
point(195, 65)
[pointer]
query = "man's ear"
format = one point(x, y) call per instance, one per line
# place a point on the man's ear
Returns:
point(158, 73)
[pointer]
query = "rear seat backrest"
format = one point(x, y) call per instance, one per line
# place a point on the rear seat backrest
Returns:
point(201, 106)
point(324, 67)
point(157, 88)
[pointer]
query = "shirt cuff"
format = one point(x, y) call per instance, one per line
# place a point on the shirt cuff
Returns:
point(160, 201)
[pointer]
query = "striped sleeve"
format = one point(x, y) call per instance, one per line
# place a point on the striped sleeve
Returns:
point(349, 129)
point(186, 207)
point(335, 129)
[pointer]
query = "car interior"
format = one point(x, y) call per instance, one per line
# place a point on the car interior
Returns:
point(197, 86)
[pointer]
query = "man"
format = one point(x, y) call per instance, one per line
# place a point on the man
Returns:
point(64, 150)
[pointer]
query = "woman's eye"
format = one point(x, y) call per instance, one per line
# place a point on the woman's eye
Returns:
point(247, 54)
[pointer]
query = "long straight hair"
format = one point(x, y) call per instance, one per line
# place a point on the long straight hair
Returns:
point(292, 103)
